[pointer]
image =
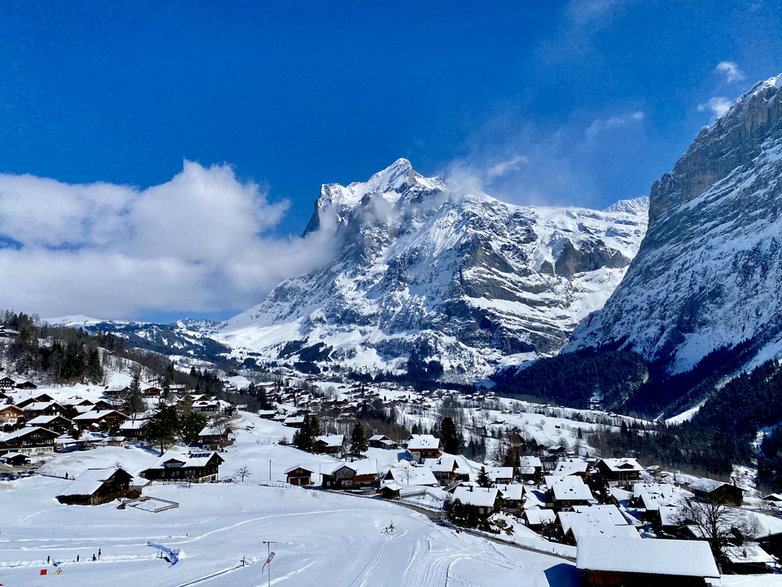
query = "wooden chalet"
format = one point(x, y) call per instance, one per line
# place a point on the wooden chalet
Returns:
point(748, 559)
point(134, 429)
point(100, 419)
point(512, 496)
point(193, 468)
point(97, 486)
point(530, 468)
point(351, 475)
point(7, 383)
point(481, 499)
point(300, 476)
point(618, 471)
point(446, 469)
point(212, 438)
point(382, 441)
point(10, 415)
point(642, 563)
point(151, 391)
point(717, 492)
point(331, 444)
point(566, 491)
point(30, 440)
point(424, 446)
point(26, 385)
point(59, 424)
point(43, 408)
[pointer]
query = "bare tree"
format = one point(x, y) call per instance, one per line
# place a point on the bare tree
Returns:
point(719, 524)
point(243, 473)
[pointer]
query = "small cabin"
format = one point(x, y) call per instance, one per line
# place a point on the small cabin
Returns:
point(299, 476)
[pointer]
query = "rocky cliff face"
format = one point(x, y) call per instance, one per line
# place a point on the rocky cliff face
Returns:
point(426, 273)
point(709, 271)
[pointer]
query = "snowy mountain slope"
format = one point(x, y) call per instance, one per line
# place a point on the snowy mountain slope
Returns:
point(709, 270)
point(423, 271)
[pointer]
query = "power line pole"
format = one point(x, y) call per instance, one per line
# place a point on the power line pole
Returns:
point(269, 557)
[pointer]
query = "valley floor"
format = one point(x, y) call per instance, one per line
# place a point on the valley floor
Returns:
point(322, 538)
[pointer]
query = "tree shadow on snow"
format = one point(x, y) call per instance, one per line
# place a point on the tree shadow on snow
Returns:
point(563, 575)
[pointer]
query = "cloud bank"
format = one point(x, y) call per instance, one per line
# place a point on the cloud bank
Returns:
point(197, 243)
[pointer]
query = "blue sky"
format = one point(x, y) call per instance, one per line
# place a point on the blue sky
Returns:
point(581, 102)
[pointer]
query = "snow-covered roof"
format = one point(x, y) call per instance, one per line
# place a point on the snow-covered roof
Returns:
point(495, 473)
point(662, 489)
point(537, 516)
point(568, 487)
point(513, 491)
point(622, 465)
point(331, 439)
point(42, 420)
point(413, 476)
point(528, 465)
point(378, 437)
point(39, 406)
point(211, 431)
point(749, 552)
point(423, 442)
point(690, 558)
point(199, 459)
point(303, 468)
point(442, 464)
point(570, 467)
point(96, 415)
point(361, 467)
point(476, 496)
point(136, 424)
point(13, 455)
point(22, 432)
point(90, 481)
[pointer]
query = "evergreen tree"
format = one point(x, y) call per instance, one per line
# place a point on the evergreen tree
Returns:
point(191, 426)
point(358, 439)
point(133, 401)
point(303, 438)
point(451, 440)
point(163, 426)
point(483, 478)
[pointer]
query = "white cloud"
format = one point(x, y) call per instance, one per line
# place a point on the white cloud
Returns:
point(193, 244)
point(730, 70)
point(584, 12)
point(502, 168)
point(718, 105)
point(601, 124)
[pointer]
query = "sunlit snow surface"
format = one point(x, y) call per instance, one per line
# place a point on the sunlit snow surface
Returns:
point(322, 538)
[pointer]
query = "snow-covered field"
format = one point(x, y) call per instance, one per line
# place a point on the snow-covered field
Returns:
point(322, 538)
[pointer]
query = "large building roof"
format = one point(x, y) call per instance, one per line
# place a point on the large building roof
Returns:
point(690, 558)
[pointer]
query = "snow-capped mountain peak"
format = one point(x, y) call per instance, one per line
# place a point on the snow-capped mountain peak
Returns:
point(427, 273)
point(709, 270)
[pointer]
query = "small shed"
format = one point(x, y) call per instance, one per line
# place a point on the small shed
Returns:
point(300, 476)
point(15, 459)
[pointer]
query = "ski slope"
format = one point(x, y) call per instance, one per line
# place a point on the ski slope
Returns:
point(322, 538)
